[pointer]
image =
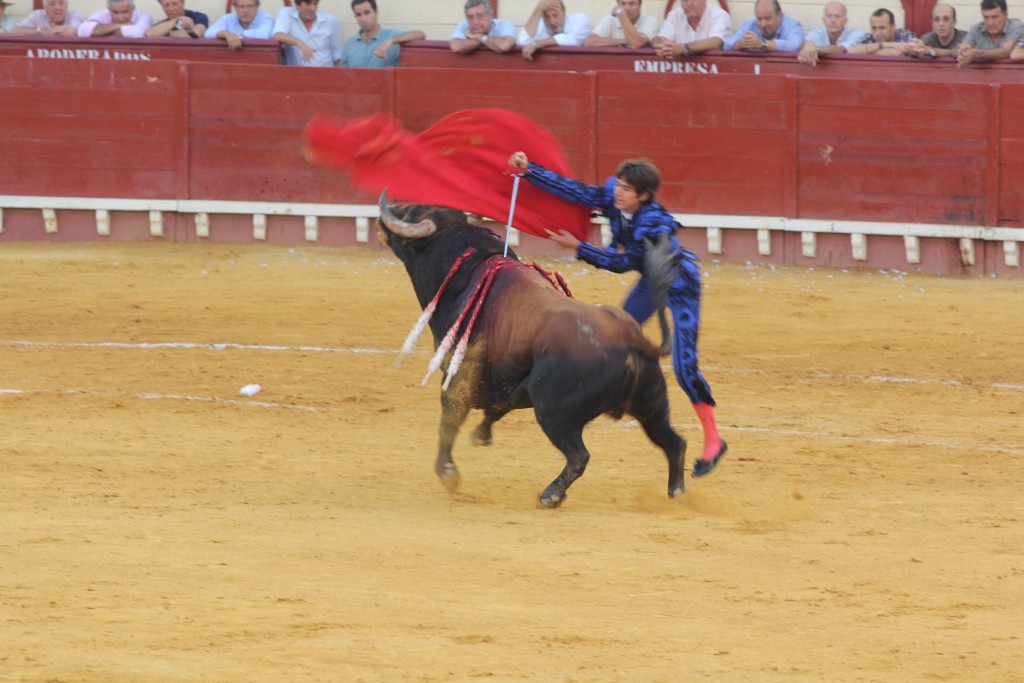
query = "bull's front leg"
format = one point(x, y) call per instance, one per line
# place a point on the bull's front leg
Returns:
point(453, 415)
point(575, 464)
point(569, 440)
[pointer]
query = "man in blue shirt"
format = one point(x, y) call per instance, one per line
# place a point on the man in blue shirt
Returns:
point(480, 28)
point(374, 47)
point(247, 21)
point(770, 31)
point(833, 37)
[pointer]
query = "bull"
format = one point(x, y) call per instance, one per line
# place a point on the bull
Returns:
point(530, 346)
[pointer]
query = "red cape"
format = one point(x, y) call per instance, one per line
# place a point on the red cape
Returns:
point(461, 162)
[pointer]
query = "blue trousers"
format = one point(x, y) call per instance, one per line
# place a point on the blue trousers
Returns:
point(683, 301)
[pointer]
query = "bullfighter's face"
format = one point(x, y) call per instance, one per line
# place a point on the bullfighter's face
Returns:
point(626, 197)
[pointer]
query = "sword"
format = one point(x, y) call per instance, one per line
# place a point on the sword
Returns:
point(511, 210)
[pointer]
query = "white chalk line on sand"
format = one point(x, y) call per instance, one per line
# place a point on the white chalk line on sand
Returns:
point(945, 443)
point(950, 443)
point(942, 443)
point(150, 396)
point(216, 346)
point(225, 346)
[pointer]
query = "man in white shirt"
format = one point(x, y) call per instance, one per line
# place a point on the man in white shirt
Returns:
point(626, 26)
point(692, 28)
point(310, 37)
point(549, 25)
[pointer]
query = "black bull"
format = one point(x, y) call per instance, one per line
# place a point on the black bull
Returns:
point(531, 346)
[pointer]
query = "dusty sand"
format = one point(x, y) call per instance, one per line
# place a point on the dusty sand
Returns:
point(868, 524)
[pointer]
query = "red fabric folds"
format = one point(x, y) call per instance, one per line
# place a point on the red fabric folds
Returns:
point(460, 162)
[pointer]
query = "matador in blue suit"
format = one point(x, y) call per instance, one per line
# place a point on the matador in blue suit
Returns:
point(627, 201)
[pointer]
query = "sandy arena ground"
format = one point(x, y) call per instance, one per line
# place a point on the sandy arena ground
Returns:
point(157, 526)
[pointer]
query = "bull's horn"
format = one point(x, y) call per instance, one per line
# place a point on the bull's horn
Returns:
point(424, 228)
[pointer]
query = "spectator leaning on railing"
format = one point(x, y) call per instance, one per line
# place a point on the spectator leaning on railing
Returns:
point(548, 25)
point(55, 19)
point(944, 37)
point(480, 29)
point(626, 26)
point(179, 23)
point(833, 37)
point(885, 38)
point(994, 37)
point(769, 31)
point(7, 23)
point(374, 46)
point(310, 37)
point(693, 28)
point(121, 19)
point(247, 21)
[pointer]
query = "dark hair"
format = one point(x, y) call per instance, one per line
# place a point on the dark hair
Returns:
point(373, 4)
point(642, 174)
point(776, 7)
point(488, 10)
point(884, 13)
point(993, 4)
point(307, 2)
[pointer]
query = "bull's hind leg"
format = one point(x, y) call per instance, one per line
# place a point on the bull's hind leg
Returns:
point(453, 415)
point(650, 408)
point(482, 434)
point(660, 431)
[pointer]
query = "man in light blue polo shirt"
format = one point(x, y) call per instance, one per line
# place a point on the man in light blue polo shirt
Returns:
point(769, 31)
point(247, 21)
point(374, 47)
point(481, 29)
point(833, 37)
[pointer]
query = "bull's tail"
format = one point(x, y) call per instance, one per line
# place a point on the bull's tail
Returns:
point(660, 261)
point(646, 347)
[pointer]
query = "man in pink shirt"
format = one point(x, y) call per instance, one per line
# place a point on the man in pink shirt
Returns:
point(120, 19)
point(55, 19)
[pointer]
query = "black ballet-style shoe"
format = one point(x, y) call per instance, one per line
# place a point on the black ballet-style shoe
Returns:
point(702, 466)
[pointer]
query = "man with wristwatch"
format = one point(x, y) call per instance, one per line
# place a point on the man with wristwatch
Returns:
point(944, 37)
point(693, 28)
point(180, 22)
point(480, 29)
point(769, 31)
point(885, 38)
point(55, 19)
point(626, 26)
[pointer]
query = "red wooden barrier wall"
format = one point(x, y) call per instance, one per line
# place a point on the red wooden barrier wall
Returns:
point(736, 145)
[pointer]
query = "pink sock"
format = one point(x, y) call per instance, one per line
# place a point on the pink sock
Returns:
point(712, 441)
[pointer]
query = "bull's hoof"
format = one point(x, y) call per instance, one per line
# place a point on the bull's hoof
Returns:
point(450, 478)
point(481, 436)
point(549, 501)
point(677, 491)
